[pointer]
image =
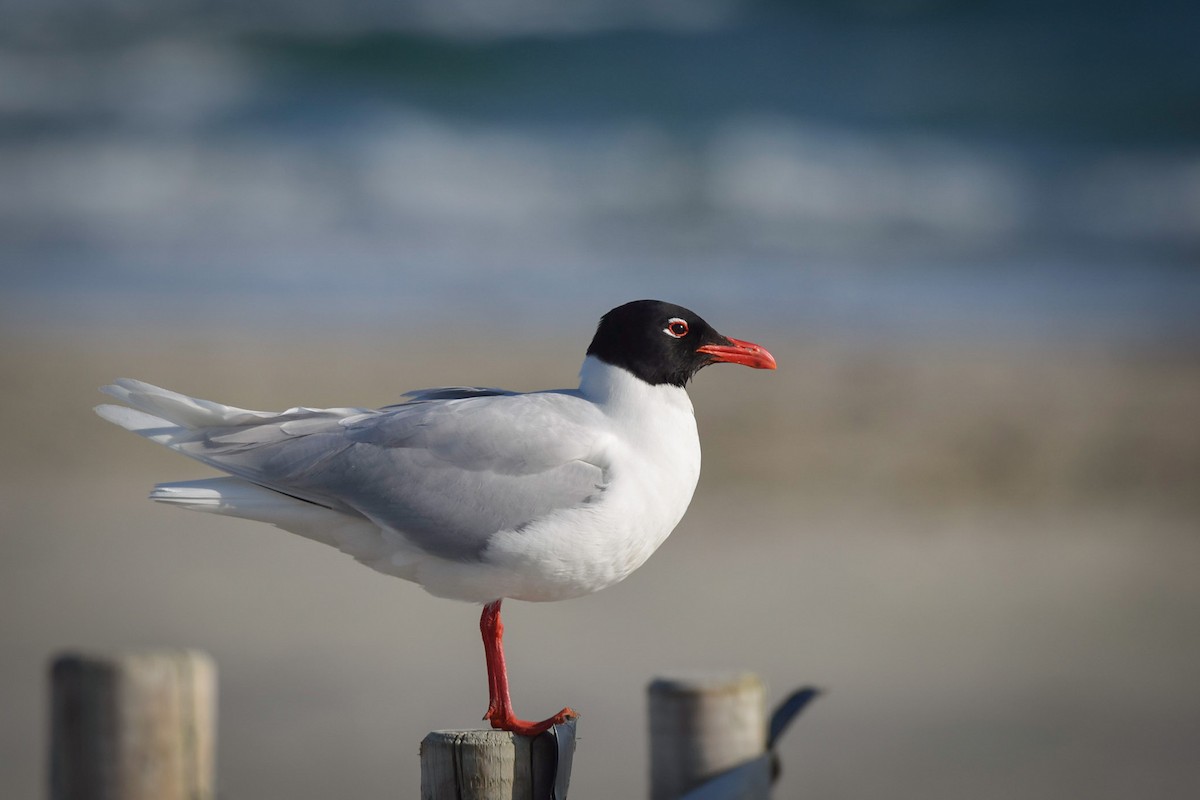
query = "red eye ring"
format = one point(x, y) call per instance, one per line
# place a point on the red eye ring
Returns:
point(676, 327)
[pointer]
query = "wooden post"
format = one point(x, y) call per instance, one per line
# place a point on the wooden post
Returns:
point(496, 765)
point(705, 725)
point(134, 726)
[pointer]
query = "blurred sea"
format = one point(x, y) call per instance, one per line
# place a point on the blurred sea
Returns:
point(946, 169)
point(965, 504)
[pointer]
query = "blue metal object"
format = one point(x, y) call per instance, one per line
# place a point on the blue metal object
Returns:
point(556, 748)
point(752, 778)
point(787, 711)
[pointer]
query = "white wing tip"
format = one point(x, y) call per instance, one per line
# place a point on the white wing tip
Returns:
point(133, 420)
point(122, 387)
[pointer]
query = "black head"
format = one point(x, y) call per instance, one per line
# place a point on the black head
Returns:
point(665, 343)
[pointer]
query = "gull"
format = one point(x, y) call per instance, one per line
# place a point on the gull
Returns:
point(475, 494)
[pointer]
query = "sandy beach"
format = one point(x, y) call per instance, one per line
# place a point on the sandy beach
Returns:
point(986, 555)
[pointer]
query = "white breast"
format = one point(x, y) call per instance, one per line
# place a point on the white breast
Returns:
point(651, 455)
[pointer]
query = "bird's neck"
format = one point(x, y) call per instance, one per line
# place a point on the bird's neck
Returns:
point(615, 388)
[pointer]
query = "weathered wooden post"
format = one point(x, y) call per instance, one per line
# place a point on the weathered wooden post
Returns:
point(497, 765)
point(703, 725)
point(133, 726)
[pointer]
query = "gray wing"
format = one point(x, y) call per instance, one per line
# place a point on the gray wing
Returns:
point(447, 474)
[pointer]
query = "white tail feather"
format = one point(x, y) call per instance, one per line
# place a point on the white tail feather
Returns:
point(353, 535)
point(179, 409)
point(135, 420)
point(176, 420)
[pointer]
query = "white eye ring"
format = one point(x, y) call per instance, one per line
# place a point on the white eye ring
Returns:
point(676, 327)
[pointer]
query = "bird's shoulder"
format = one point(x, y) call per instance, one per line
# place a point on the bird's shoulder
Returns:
point(487, 428)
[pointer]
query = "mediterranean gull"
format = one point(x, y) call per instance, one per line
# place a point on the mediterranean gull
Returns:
point(475, 494)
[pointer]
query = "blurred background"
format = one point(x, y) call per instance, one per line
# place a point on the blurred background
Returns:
point(966, 505)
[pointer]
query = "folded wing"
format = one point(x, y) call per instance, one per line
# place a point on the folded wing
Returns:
point(446, 474)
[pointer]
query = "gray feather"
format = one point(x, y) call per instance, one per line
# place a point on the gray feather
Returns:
point(453, 393)
point(446, 473)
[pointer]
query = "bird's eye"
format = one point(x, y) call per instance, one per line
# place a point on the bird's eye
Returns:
point(676, 327)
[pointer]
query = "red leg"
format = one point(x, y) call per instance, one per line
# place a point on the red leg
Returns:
point(491, 628)
point(500, 710)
